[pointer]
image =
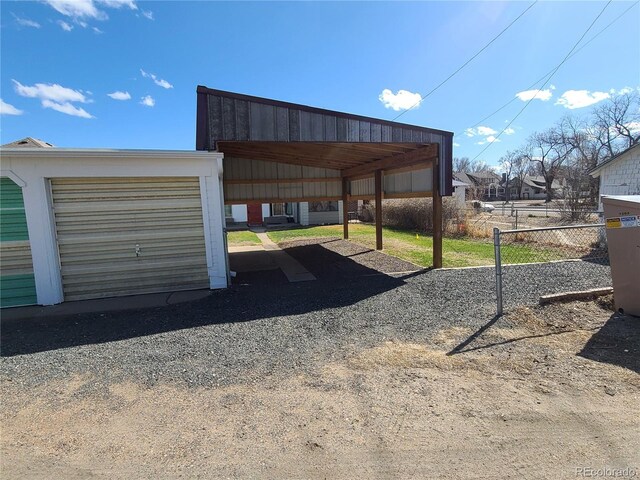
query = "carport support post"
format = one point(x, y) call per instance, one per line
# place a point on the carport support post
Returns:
point(345, 208)
point(437, 218)
point(378, 192)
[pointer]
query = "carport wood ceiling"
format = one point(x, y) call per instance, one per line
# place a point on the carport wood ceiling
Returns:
point(354, 160)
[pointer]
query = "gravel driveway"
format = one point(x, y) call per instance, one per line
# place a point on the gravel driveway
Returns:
point(247, 332)
point(357, 374)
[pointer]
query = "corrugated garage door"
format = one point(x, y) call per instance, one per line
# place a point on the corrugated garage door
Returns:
point(17, 284)
point(122, 236)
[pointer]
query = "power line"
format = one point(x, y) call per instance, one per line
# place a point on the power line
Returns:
point(548, 79)
point(550, 71)
point(423, 97)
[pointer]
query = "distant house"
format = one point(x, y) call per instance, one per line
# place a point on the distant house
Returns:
point(534, 187)
point(485, 185)
point(460, 191)
point(619, 175)
point(28, 142)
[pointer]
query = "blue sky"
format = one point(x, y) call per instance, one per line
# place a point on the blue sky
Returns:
point(61, 59)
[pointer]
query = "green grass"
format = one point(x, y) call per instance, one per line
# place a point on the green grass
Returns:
point(416, 247)
point(243, 237)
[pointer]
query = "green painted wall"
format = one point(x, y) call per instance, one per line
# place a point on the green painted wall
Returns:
point(15, 288)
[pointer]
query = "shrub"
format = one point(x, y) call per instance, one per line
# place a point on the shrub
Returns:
point(417, 214)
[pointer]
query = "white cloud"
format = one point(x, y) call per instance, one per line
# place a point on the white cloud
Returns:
point(119, 3)
point(622, 91)
point(573, 99)
point(66, 107)
point(158, 81)
point(118, 95)
point(7, 109)
point(97, 30)
point(25, 22)
point(65, 26)
point(509, 131)
point(147, 14)
point(492, 138)
point(543, 95)
point(77, 9)
point(486, 131)
point(456, 144)
point(147, 101)
point(403, 100)
point(50, 91)
point(56, 97)
point(633, 126)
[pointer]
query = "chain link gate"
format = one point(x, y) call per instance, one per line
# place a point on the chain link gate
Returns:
point(539, 261)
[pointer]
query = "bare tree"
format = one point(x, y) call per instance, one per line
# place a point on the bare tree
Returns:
point(521, 167)
point(463, 164)
point(617, 122)
point(548, 151)
point(507, 163)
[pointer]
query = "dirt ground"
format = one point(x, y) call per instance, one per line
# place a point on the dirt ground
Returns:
point(537, 394)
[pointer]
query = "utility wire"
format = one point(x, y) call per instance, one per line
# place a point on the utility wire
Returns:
point(550, 71)
point(423, 97)
point(547, 80)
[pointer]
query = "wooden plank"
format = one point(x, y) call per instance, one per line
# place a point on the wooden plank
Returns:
point(330, 133)
point(242, 120)
point(294, 125)
point(282, 124)
point(345, 208)
point(420, 155)
point(376, 132)
point(280, 180)
point(437, 218)
point(341, 128)
point(243, 201)
point(365, 131)
point(390, 196)
point(378, 194)
point(215, 119)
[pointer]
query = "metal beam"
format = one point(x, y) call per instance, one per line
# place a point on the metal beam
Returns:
point(437, 219)
point(345, 208)
point(378, 183)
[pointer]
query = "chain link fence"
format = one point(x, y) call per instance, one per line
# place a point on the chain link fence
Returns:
point(542, 261)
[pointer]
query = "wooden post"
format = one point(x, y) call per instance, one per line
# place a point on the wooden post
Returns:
point(345, 208)
point(437, 218)
point(378, 209)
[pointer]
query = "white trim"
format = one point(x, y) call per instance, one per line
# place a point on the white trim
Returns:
point(14, 178)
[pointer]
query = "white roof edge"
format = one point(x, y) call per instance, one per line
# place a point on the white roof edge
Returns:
point(102, 152)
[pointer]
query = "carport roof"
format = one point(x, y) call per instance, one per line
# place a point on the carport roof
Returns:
point(243, 126)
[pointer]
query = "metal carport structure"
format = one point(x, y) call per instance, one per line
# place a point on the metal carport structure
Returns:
point(283, 152)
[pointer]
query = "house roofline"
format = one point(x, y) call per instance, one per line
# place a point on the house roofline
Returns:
point(595, 172)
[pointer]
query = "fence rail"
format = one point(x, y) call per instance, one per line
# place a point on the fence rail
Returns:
point(538, 261)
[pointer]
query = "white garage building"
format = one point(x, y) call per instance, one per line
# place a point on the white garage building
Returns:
point(105, 223)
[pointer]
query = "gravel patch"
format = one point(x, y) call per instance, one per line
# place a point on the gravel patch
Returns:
point(326, 257)
point(247, 333)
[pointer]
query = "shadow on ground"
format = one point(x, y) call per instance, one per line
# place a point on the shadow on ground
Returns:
point(345, 283)
point(616, 343)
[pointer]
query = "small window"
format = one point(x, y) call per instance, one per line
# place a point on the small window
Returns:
point(228, 211)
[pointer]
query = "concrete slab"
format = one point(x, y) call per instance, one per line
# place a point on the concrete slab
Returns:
point(114, 304)
point(269, 256)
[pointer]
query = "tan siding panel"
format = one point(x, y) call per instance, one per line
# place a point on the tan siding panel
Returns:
point(16, 258)
point(102, 222)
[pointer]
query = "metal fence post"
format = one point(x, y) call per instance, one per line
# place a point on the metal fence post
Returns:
point(496, 247)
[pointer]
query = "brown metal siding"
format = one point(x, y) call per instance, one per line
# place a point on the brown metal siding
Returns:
point(235, 117)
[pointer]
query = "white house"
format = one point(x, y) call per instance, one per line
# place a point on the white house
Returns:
point(619, 175)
